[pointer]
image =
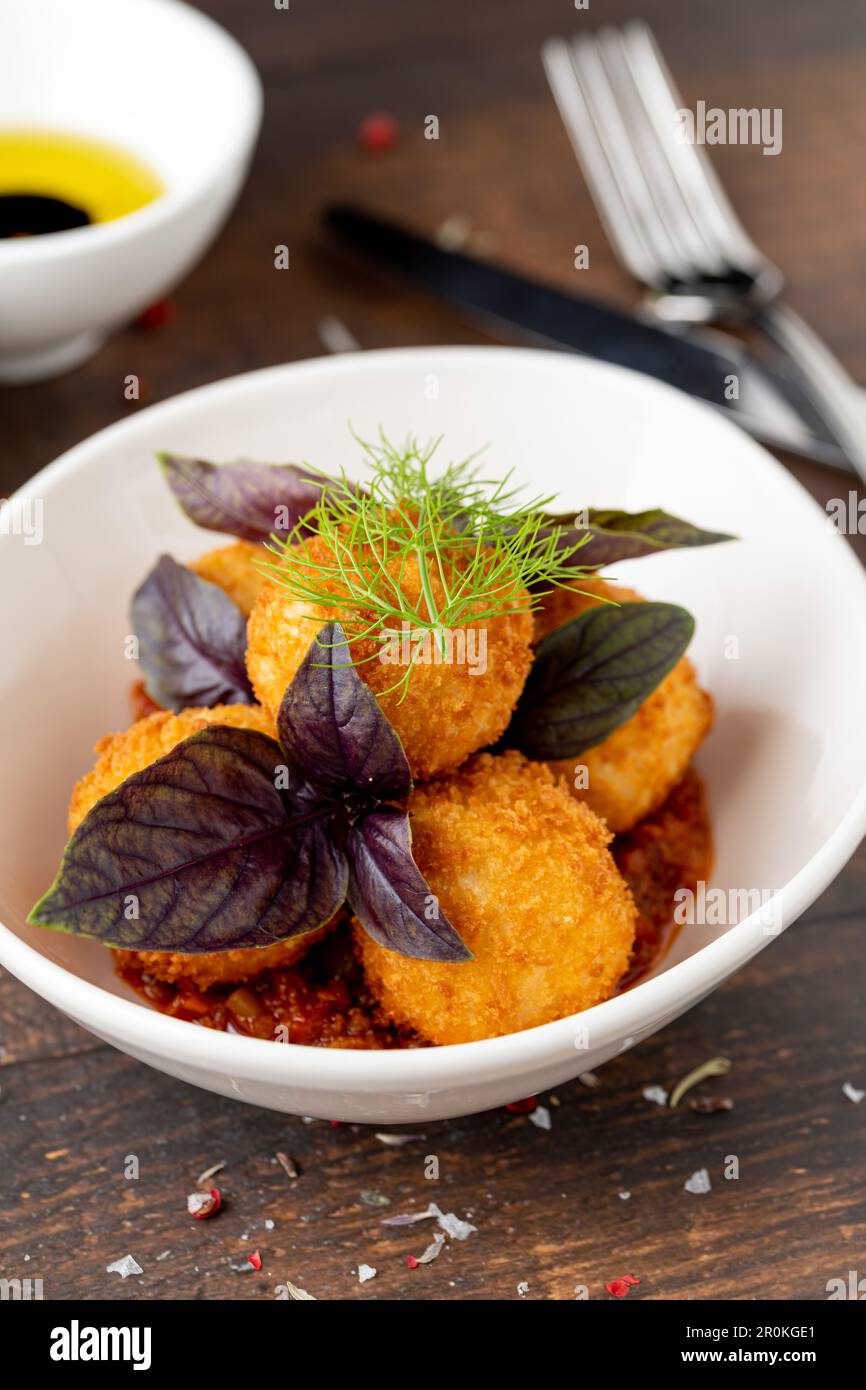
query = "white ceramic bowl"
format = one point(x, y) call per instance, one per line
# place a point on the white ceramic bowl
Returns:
point(159, 80)
point(785, 764)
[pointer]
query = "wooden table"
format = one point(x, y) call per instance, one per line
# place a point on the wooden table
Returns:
point(550, 1207)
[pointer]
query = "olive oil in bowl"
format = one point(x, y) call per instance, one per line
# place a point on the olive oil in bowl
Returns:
point(53, 182)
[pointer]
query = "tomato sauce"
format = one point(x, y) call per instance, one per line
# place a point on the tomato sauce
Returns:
point(668, 850)
point(324, 1002)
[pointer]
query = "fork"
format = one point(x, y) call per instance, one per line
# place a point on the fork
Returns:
point(668, 217)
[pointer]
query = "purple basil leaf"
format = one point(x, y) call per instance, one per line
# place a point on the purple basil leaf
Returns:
point(616, 535)
point(332, 727)
point(590, 675)
point(246, 499)
point(192, 640)
point(201, 851)
point(389, 895)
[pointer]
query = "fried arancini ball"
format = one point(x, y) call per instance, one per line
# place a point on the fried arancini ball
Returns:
point(208, 968)
point(450, 710)
point(233, 569)
point(568, 601)
point(634, 770)
point(523, 872)
point(120, 755)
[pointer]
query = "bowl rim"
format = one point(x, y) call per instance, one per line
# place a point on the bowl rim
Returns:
point(16, 252)
point(425, 1068)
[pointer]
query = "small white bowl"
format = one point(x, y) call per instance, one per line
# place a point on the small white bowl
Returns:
point(159, 80)
point(780, 642)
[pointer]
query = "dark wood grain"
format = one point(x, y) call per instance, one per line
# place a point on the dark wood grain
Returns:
point(547, 1205)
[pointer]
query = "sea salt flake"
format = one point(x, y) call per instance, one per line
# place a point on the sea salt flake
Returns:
point(699, 1182)
point(589, 1078)
point(365, 1272)
point(625, 1196)
point(124, 1267)
point(452, 1225)
point(523, 1288)
point(196, 1200)
point(540, 1117)
point(852, 1093)
point(657, 1095)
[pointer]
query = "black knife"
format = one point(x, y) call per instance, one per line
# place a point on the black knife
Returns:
point(769, 404)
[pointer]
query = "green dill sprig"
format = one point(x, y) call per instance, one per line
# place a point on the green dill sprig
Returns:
point(480, 550)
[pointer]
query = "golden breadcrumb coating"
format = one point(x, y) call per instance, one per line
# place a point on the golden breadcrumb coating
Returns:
point(635, 769)
point(233, 569)
point(523, 872)
point(208, 968)
point(566, 602)
point(450, 710)
point(120, 755)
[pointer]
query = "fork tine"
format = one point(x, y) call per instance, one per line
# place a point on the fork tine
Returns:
point(621, 221)
point(698, 254)
point(610, 123)
point(690, 167)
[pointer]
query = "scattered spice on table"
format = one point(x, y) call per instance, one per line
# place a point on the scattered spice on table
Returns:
point(619, 1288)
point(157, 315)
point(300, 1295)
point(450, 1223)
point(374, 1199)
point(204, 1204)
point(209, 1173)
point(288, 1164)
point(716, 1066)
point(710, 1105)
point(431, 1253)
point(523, 1107)
point(335, 337)
point(378, 132)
